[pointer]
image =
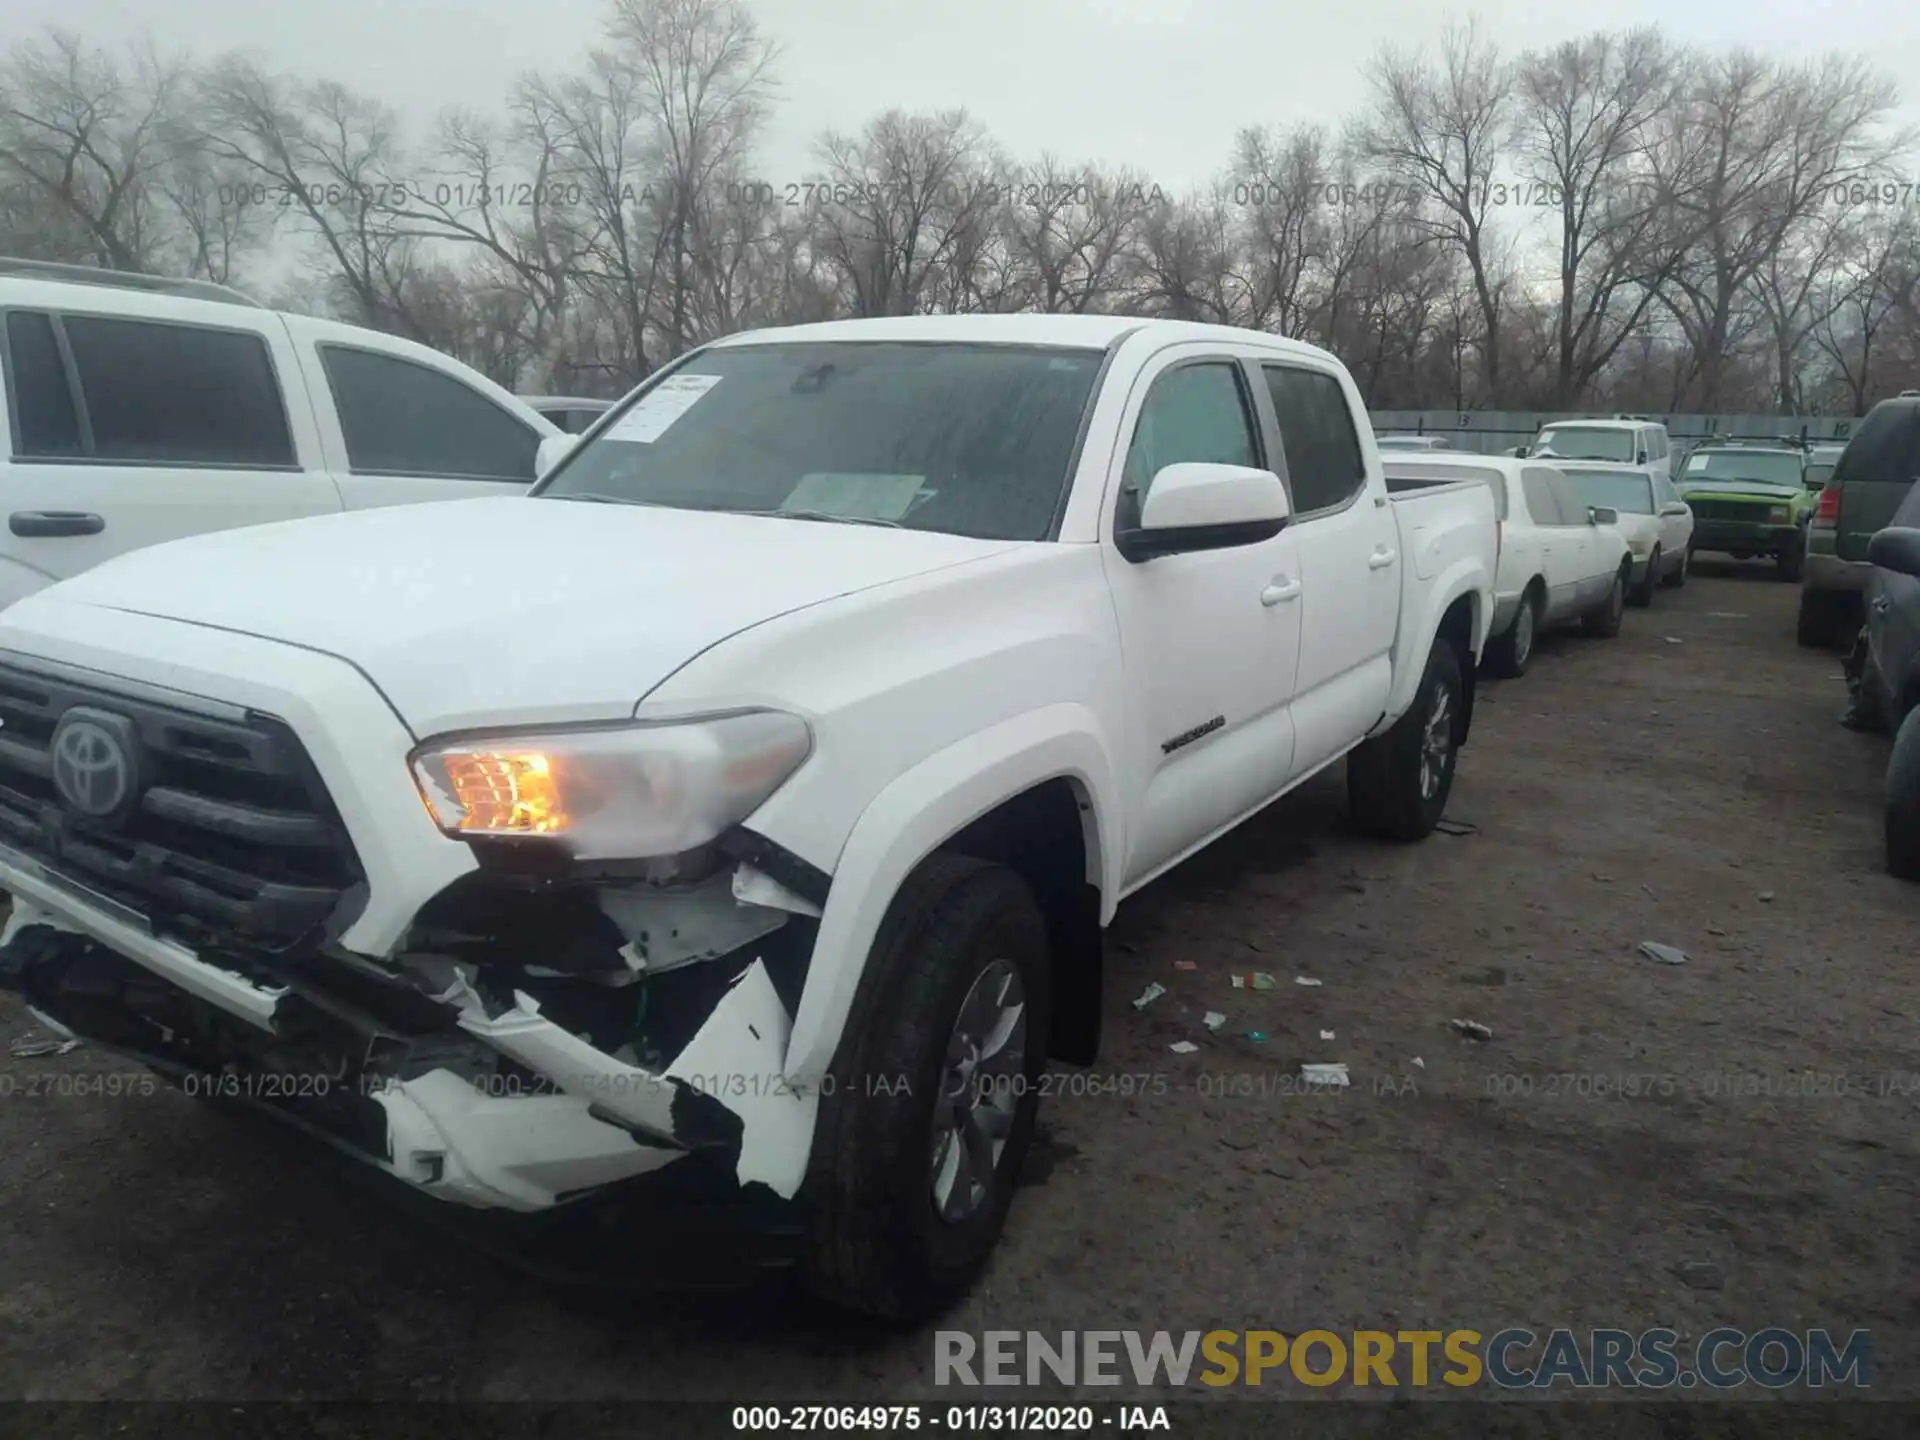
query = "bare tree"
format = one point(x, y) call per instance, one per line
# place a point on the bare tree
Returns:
point(1280, 193)
point(1875, 273)
point(1442, 128)
point(1071, 230)
point(91, 140)
point(1584, 129)
point(897, 204)
point(1760, 147)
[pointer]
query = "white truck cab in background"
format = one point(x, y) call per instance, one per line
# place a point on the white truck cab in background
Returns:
point(743, 808)
point(138, 410)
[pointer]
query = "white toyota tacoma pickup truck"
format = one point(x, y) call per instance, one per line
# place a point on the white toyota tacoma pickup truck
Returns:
point(742, 807)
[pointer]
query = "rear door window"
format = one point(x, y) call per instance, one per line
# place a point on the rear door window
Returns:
point(152, 393)
point(46, 425)
point(1543, 500)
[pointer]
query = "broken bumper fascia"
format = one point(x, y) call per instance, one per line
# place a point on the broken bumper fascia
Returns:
point(602, 1123)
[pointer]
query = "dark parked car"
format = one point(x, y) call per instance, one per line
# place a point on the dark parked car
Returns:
point(1886, 675)
point(1873, 475)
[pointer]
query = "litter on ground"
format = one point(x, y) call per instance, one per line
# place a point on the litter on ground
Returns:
point(1303, 980)
point(1262, 980)
point(1183, 1047)
point(1185, 965)
point(1147, 996)
point(1213, 1019)
point(34, 1049)
point(1334, 1075)
point(1665, 954)
point(1473, 1029)
point(1326, 1035)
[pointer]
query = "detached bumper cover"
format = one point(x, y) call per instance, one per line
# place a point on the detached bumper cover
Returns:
point(503, 1110)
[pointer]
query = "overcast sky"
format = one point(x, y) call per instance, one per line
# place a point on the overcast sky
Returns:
point(1160, 85)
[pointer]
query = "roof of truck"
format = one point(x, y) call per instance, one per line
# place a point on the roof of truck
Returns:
point(1087, 332)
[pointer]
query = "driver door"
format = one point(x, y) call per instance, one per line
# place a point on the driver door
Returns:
point(1210, 640)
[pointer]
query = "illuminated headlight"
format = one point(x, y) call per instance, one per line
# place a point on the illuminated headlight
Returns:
point(621, 792)
point(1779, 515)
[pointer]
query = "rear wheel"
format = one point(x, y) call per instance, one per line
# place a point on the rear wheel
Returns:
point(1604, 621)
point(1508, 655)
point(1398, 783)
point(1642, 595)
point(1677, 576)
point(918, 1144)
point(1903, 800)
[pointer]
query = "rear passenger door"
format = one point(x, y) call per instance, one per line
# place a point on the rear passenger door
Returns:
point(406, 428)
point(126, 432)
point(1349, 564)
point(1560, 545)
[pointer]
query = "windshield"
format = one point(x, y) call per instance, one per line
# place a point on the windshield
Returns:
point(1765, 467)
point(1585, 442)
point(1629, 494)
point(967, 439)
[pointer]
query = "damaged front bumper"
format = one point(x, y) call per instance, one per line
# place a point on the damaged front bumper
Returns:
point(518, 1088)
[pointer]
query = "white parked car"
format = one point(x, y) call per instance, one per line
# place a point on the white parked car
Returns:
point(139, 409)
point(747, 803)
point(1421, 443)
point(1619, 440)
point(1658, 524)
point(1561, 558)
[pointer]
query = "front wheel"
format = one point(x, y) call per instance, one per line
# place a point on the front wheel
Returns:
point(918, 1144)
point(1508, 655)
point(1605, 621)
point(1677, 576)
point(1398, 783)
point(1642, 595)
point(1903, 800)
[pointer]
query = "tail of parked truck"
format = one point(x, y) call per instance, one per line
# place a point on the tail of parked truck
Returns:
point(751, 839)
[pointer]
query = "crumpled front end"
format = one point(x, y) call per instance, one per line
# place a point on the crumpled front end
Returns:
point(264, 913)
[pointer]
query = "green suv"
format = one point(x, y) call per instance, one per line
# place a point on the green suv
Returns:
point(1750, 497)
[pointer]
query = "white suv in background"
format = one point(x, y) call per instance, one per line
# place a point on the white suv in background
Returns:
point(138, 409)
point(1621, 440)
point(1561, 558)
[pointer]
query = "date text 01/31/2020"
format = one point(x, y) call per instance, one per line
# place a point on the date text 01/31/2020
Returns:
point(959, 1419)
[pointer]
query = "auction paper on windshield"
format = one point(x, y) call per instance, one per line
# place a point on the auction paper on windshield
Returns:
point(648, 420)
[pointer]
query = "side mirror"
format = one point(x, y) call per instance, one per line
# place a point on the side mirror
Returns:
point(1602, 515)
point(1198, 506)
point(552, 451)
point(1675, 507)
point(1519, 452)
point(1639, 457)
point(1896, 548)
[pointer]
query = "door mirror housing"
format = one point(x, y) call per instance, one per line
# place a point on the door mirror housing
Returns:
point(1519, 452)
point(1896, 548)
point(552, 451)
point(1199, 506)
point(1675, 507)
point(1602, 515)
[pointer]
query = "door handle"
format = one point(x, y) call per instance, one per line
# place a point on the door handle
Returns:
point(1381, 558)
point(1283, 588)
point(36, 524)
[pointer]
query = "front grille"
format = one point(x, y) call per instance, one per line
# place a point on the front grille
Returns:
point(1751, 511)
point(233, 840)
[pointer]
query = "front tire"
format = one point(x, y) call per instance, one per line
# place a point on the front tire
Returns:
point(1677, 576)
point(1604, 622)
point(918, 1145)
point(1642, 595)
point(1903, 800)
point(1509, 654)
point(1398, 783)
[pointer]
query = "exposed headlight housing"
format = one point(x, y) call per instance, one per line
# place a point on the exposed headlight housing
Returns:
point(633, 791)
point(1779, 515)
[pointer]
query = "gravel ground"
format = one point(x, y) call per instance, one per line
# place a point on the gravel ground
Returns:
point(1698, 793)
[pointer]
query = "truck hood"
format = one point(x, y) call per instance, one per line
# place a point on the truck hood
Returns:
point(513, 610)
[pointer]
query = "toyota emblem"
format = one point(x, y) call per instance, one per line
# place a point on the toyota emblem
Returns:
point(93, 765)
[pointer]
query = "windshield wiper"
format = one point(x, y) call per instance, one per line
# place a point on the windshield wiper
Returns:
point(821, 515)
point(597, 499)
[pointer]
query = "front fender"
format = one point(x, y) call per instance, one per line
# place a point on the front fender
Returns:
point(910, 819)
